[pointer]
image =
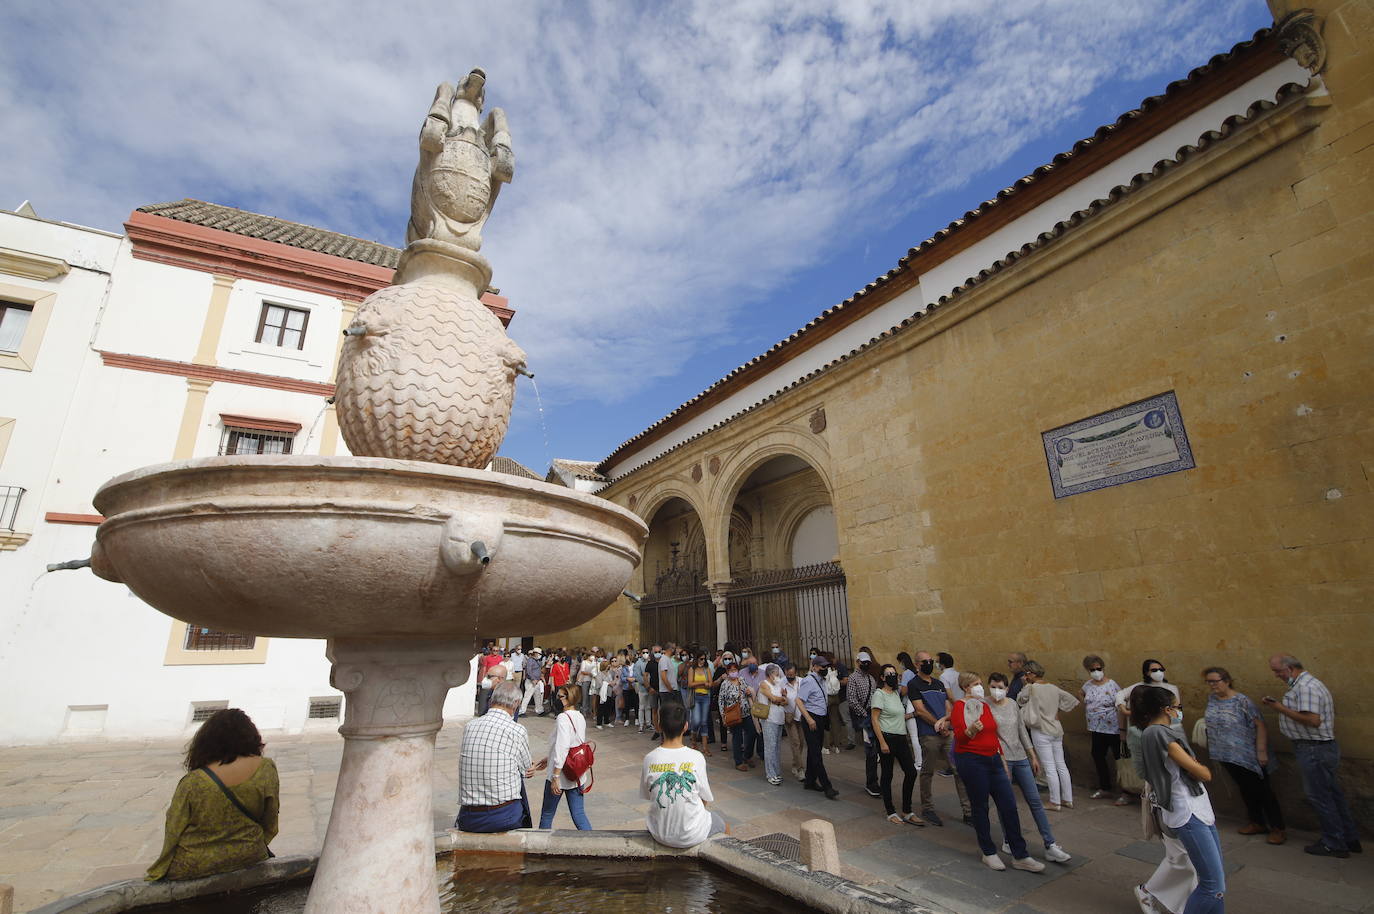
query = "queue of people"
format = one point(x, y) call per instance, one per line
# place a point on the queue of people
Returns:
point(990, 738)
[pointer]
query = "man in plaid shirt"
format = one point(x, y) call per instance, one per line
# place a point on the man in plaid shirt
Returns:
point(1308, 719)
point(492, 767)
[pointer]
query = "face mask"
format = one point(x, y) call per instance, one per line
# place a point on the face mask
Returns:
point(1157, 675)
point(792, 678)
point(734, 674)
point(891, 680)
point(745, 654)
point(1177, 717)
point(753, 667)
point(976, 690)
point(863, 664)
point(813, 655)
point(927, 666)
point(727, 659)
point(1098, 675)
point(657, 654)
point(998, 694)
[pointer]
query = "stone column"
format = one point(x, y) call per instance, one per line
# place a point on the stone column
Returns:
point(720, 596)
point(378, 853)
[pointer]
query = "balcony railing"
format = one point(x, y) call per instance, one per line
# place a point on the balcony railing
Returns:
point(10, 497)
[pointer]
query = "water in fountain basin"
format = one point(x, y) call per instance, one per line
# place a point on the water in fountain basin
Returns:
point(519, 884)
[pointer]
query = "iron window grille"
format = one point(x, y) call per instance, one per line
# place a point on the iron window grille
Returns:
point(14, 320)
point(326, 708)
point(237, 440)
point(10, 497)
point(202, 711)
point(281, 326)
point(209, 639)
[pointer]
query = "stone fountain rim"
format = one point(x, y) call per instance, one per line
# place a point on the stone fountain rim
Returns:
point(377, 465)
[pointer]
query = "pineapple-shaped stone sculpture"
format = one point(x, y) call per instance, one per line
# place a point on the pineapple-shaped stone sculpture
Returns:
point(427, 371)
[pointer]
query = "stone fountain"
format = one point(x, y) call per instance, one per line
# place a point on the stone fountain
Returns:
point(400, 555)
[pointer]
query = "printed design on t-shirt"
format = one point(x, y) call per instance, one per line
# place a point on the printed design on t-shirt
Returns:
point(674, 781)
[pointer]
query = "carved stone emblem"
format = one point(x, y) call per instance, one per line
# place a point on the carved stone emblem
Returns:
point(714, 465)
point(696, 472)
point(818, 421)
point(1300, 37)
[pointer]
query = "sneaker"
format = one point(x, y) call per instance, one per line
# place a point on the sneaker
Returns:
point(912, 819)
point(1321, 850)
point(872, 792)
point(1145, 900)
point(1123, 800)
point(775, 781)
point(946, 772)
point(994, 862)
point(1006, 848)
point(1057, 854)
point(627, 723)
point(1101, 794)
point(933, 818)
point(1029, 864)
point(598, 726)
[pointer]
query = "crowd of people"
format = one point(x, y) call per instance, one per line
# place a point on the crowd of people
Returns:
point(919, 715)
point(923, 717)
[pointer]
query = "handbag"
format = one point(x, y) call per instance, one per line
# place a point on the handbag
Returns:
point(579, 761)
point(1128, 780)
point(832, 682)
point(1030, 714)
point(1150, 826)
point(733, 716)
point(759, 709)
point(1200, 732)
point(229, 795)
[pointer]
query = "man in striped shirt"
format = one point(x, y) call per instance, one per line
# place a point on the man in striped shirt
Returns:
point(1308, 719)
point(492, 766)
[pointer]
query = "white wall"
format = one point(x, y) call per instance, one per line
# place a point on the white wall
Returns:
point(817, 539)
point(943, 278)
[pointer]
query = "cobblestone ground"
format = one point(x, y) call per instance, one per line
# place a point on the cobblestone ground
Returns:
point(74, 816)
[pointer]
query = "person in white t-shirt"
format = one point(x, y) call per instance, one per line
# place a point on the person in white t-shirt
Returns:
point(675, 783)
point(949, 676)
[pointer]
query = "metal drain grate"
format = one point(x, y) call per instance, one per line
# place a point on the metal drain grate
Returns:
point(781, 844)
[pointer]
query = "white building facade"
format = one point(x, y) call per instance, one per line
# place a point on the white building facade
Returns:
point(203, 330)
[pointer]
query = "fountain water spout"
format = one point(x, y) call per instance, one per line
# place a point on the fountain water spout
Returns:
point(70, 565)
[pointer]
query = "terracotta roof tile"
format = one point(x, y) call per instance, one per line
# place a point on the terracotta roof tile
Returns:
point(1183, 154)
point(511, 467)
point(270, 228)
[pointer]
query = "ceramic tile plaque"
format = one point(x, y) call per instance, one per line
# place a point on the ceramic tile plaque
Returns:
point(1133, 442)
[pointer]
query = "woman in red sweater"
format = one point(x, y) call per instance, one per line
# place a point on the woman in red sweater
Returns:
point(978, 756)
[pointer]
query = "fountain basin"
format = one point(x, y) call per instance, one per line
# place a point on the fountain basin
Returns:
point(361, 547)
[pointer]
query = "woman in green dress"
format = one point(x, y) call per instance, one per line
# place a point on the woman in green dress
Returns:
point(224, 812)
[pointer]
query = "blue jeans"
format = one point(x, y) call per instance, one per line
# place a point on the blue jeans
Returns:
point(1204, 851)
point(1022, 776)
point(515, 814)
point(576, 808)
point(983, 778)
point(772, 758)
point(1318, 762)
point(701, 715)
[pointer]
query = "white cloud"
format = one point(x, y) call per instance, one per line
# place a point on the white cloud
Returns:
point(674, 161)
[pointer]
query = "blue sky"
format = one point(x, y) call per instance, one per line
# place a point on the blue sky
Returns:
point(694, 181)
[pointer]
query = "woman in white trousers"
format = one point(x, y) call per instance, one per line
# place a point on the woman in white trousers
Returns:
point(1041, 704)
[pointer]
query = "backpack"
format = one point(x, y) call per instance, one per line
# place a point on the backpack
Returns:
point(832, 683)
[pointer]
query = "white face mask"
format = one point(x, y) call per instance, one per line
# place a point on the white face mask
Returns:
point(998, 694)
point(976, 690)
point(1098, 675)
point(1157, 675)
point(745, 654)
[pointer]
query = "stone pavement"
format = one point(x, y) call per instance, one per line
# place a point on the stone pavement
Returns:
point(74, 816)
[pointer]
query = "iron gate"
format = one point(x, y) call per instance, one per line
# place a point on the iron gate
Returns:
point(800, 608)
point(679, 609)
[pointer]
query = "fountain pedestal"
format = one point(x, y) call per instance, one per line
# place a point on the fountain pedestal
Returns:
point(381, 830)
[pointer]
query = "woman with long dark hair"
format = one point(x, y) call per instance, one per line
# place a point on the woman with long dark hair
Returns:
point(1175, 778)
point(224, 811)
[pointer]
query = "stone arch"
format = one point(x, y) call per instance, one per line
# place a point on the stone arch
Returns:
point(778, 442)
point(693, 544)
point(791, 519)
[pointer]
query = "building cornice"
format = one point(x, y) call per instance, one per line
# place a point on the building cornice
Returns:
point(214, 373)
point(32, 266)
point(209, 250)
